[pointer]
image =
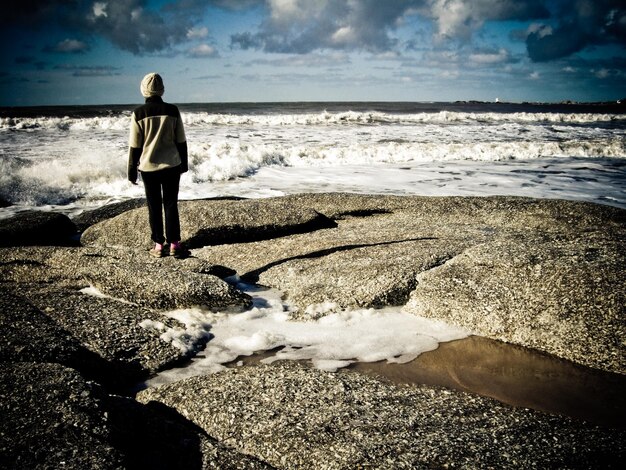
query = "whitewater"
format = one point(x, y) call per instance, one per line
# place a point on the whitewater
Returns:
point(74, 159)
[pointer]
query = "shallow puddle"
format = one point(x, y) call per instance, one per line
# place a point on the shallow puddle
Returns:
point(511, 374)
point(517, 376)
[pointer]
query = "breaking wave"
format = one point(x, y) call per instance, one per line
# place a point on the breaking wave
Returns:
point(120, 121)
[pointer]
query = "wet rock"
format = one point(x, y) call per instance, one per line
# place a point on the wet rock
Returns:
point(112, 329)
point(37, 228)
point(101, 338)
point(294, 417)
point(541, 273)
point(212, 222)
point(359, 276)
point(104, 335)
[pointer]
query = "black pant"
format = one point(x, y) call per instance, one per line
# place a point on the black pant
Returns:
point(162, 193)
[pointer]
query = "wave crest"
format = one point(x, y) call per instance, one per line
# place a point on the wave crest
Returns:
point(198, 119)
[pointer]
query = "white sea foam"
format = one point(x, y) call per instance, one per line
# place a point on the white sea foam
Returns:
point(332, 342)
point(79, 163)
point(120, 122)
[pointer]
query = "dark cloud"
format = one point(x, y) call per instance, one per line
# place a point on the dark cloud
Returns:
point(561, 27)
point(579, 25)
point(129, 24)
point(459, 19)
point(33, 13)
point(300, 26)
point(29, 60)
point(24, 60)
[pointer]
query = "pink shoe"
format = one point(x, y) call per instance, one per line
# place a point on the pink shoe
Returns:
point(178, 251)
point(157, 251)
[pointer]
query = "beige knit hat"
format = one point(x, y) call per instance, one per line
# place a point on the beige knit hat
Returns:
point(152, 85)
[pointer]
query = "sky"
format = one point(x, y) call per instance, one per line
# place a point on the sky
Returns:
point(81, 52)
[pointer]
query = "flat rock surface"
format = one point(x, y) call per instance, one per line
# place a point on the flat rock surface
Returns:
point(556, 293)
point(295, 417)
point(92, 217)
point(210, 222)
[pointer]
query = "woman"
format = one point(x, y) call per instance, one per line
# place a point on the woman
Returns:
point(158, 149)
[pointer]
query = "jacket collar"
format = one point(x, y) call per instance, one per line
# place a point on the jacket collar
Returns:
point(154, 99)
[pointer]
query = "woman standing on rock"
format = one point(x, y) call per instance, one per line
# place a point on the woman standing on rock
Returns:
point(158, 149)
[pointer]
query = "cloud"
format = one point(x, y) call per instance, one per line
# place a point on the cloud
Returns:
point(30, 60)
point(198, 33)
point(90, 70)
point(203, 51)
point(488, 58)
point(558, 28)
point(24, 60)
point(457, 59)
point(69, 46)
point(579, 24)
point(459, 19)
point(314, 60)
point(130, 25)
point(303, 26)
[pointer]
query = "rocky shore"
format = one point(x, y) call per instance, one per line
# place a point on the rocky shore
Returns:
point(543, 274)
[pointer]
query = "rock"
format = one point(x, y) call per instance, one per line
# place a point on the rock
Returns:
point(107, 331)
point(544, 274)
point(294, 417)
point(211, 222)
point(498, 266)
point(563, 294)
point(29, 335)
point(112, 329)
point(52, 418)
point(131, 275)
point(37, 228)
point(156, 436)
point(89, 218)
point(101, 338)
point(359, 276)
point(4, 202)
point(156, 283)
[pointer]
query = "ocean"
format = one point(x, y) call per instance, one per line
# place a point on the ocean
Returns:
point(72, 159)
